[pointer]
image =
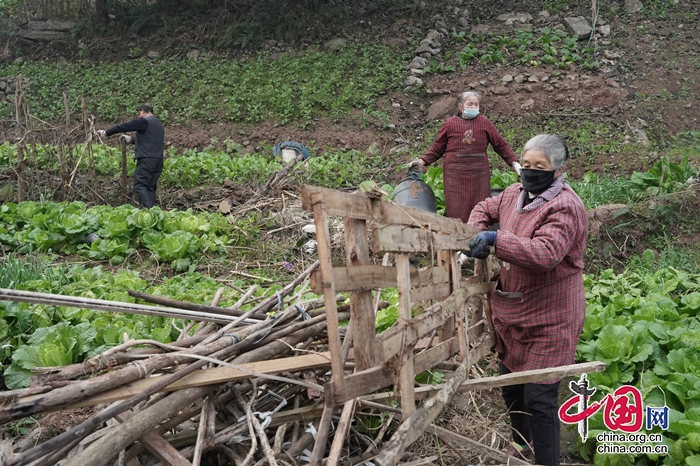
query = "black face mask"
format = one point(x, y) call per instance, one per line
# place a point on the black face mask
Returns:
point(536, 181)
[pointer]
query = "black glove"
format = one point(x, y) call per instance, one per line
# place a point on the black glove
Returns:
point(479, 245)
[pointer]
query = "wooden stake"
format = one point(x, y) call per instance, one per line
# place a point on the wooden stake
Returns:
point(460, 318)
point(323, 432)
point(199, 445)
point(324, 257)
point(361, 307)
point(447, 330)
point(341, 432)
point(405, 374)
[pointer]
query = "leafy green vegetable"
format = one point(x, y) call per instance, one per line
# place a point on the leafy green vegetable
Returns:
point(180, 236)
point(642, 324)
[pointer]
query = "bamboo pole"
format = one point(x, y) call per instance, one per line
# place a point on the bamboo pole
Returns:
point(103, 450)
point(104, 305)
point(272, 301)
point(86, 388)
point(183, 304)
point(157, 445)
point(86, 427)
point(76, 391)
point(46, 379)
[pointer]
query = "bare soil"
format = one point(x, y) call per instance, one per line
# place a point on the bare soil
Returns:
point(649, 79)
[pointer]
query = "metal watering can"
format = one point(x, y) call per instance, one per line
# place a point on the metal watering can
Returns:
point(414, 192)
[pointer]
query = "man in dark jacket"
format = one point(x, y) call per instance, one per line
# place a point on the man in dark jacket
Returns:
point(149, 140)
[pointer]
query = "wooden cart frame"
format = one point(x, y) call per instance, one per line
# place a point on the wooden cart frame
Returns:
point(390, 358)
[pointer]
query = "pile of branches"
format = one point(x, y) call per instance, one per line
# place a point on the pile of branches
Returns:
point(160, 404)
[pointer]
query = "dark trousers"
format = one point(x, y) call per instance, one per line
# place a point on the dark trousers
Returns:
point(534, 415)
point(146, 176)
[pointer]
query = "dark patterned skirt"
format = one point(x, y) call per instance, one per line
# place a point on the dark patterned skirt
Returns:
point(467, 181)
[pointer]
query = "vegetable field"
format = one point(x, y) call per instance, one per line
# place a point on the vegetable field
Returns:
point(222, 235)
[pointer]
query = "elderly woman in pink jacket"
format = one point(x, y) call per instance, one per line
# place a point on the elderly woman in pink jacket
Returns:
point(539, 303)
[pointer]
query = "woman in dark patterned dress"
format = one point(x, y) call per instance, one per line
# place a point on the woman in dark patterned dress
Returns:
point(462, 141)
point(539, 304)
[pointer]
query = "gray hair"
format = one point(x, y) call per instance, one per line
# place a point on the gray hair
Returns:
point(551, 146)
point(466, 94)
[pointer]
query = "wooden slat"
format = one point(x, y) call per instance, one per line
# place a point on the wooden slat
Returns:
point(366, 382)
point(323, 238)
point(211, 376)
point(438, 353)
point(368, 277)
point(401, 238)
point(413, 427)
point(361, 277)
point(359, 205)
point(391, 341)
point(362, 383)
point(371, 380)
point(514, 378)
point(340, 204)
point(405, 382)
point(426, 293)
point(341, 432)
point(447, 330)
point(361, 305)
point(461, 318)
point(309, 413)
point(430, 276)
point(478, 311)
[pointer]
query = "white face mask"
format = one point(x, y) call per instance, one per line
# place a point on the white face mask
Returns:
point(470, 113)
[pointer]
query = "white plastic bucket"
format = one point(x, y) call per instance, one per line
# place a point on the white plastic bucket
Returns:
point(288, 155)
